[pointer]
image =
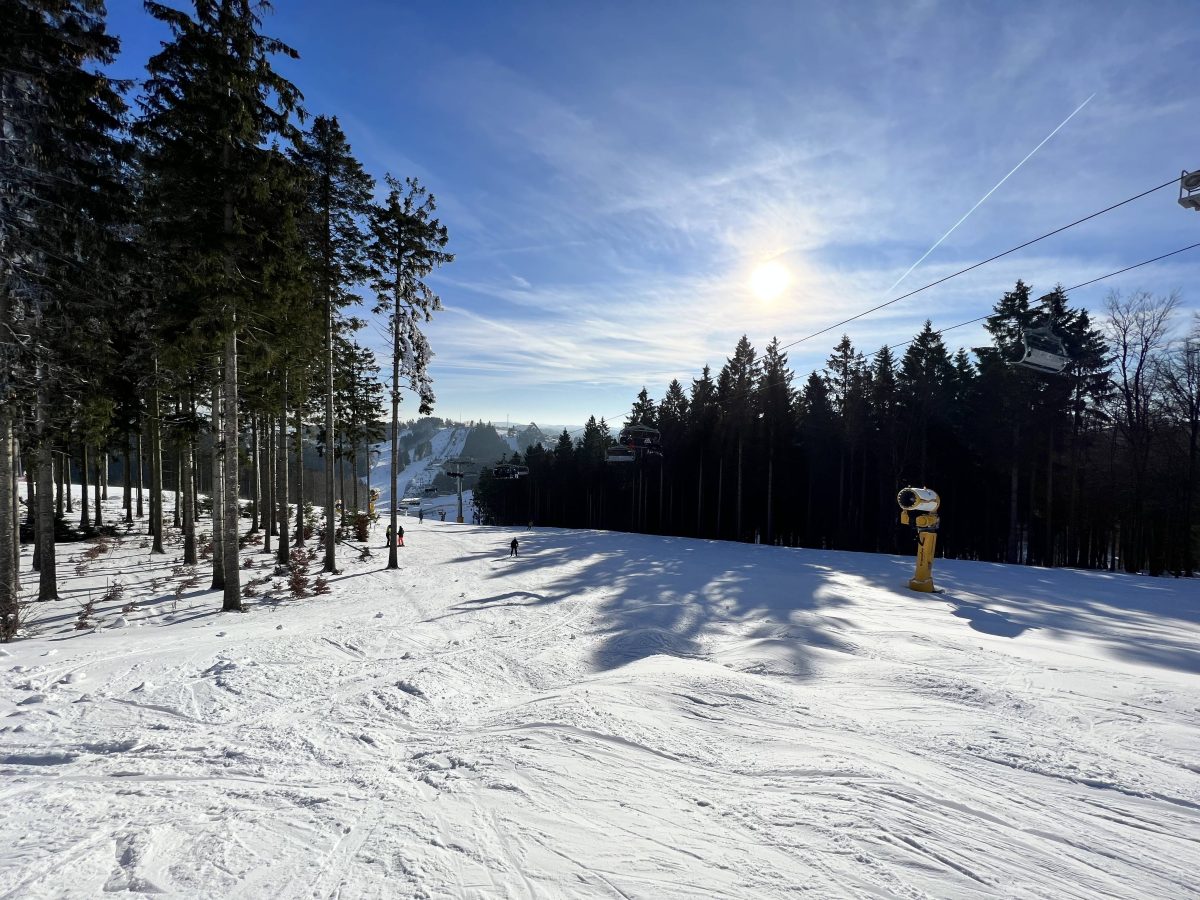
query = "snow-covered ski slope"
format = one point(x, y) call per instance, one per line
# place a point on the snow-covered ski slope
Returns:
point(446, 443)
point(609, 715)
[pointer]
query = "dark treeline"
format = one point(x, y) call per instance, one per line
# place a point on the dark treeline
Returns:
point(1094, 468)
point(180, 259)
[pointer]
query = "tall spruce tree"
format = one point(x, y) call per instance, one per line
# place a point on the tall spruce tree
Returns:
point(339, 199)
point(59, 194)
point(406, 246)
point(211, 104)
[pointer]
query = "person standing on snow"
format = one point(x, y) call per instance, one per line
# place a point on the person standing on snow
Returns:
point(512, 548)
point(400, 536)
point(420, 516)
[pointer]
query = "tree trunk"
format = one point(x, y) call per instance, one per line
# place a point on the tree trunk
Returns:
point(267, 479)
point(47, 571)
point(233, 587)
point(140, 474)
point(102, 464)
point(1049, 551)
point(16, 511)
point(720, 491)
point(85, 516)
point(69, 476)
point(1013, 505)
point(330, 564)
point(98, 519)
point(31, 507)
point(281, 474)
point(738, 519)
point(660, 497)
point(770, 494)
point(299, 428)
point(393, 562)
point(188, 498)
point(216, 486)
point(255, 480)
point(9, 605)
point(197, 472)
point(127, 470)
point(156, 470)
point(58, 487)
point(176, 512)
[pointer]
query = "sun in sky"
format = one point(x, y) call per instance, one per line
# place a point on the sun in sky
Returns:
point(770, 280)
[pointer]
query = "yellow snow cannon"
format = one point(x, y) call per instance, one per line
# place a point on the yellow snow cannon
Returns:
point(918, 507)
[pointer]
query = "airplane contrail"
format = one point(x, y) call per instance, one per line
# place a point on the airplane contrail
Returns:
point(938, 242)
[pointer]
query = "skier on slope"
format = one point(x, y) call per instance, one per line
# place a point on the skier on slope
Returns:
point(512, 548)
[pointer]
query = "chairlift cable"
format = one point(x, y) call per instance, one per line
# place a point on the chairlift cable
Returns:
point(984, 262)
point(1065, 291)
point(978, 265)
point(940, 331)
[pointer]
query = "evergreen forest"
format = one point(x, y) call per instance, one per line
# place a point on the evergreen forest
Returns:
point(1095, 467)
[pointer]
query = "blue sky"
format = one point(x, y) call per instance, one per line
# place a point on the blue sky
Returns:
point(612, 174)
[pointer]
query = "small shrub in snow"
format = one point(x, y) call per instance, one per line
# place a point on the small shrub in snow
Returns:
point(114, 594)
point(249, 563)
point(87, 612)
point(362, 527)
point(321, 585)
point(99, 546)
point(298, 579)
point(12, 622)
point(191, 578)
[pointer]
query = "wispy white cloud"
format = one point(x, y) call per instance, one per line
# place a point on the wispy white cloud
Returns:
point(636, 210)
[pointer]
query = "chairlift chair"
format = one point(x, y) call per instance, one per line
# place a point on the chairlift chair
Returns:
point(1043, 351)
point(1189, 190)
point(641, 439)
point(620, 455)
point(509, 471)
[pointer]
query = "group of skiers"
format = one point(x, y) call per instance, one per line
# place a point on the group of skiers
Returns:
point(399, 535)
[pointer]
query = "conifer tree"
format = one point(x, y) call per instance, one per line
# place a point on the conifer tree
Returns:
point(211, 103)
point(406, 246)
point(339, 198)
point(776, 401)
point(59, 193)
point(736, 396)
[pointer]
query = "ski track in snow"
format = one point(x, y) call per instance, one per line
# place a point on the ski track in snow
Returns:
point(607, 715)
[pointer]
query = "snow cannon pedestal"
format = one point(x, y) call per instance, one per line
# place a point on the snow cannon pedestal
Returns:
point(918, 507)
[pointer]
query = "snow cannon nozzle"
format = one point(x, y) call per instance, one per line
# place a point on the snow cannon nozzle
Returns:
point(922, 499)
point(918, 507)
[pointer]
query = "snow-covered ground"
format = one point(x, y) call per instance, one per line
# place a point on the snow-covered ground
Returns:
point(607, 715)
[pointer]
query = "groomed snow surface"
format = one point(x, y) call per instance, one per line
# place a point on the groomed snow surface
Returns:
point(607, 715)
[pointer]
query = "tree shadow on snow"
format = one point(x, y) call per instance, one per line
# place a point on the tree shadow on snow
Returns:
point(756, 608)
point(1136, 618)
